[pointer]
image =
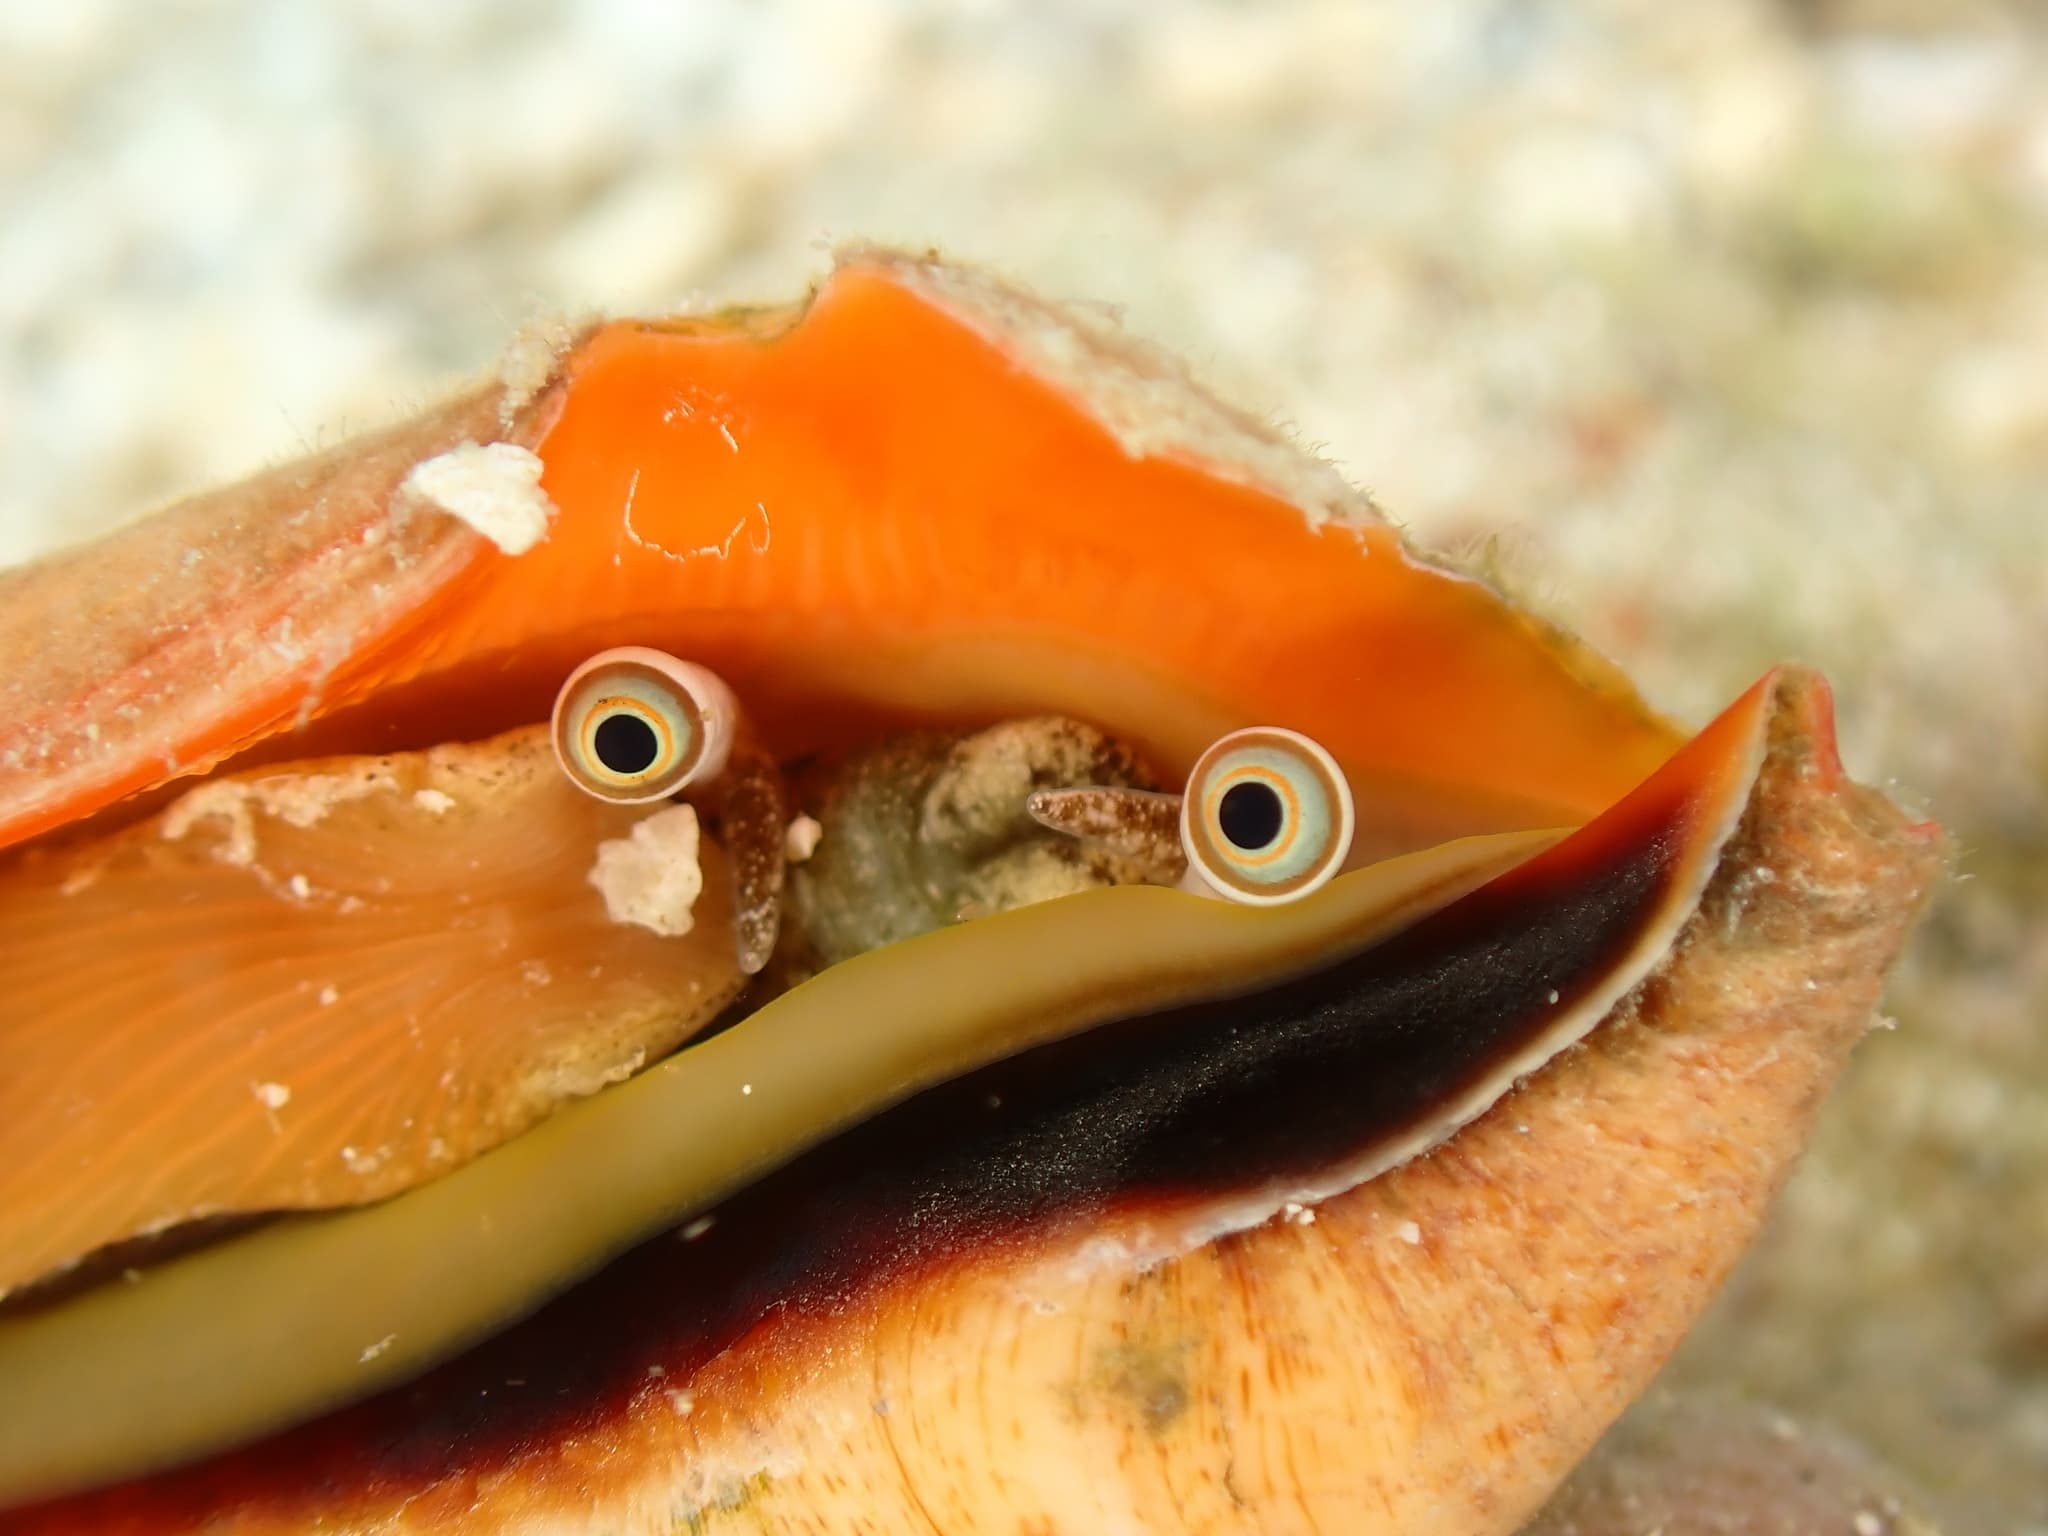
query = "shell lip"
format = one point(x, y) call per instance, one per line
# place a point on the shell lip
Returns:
point(788, 421)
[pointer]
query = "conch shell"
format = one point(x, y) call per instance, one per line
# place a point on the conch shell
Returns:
point(1134, 1210)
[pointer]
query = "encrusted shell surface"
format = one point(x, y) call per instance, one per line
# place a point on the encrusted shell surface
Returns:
point(1028, 1273)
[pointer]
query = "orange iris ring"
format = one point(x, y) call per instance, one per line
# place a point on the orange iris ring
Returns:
point(1212, 812)
point(602, 709)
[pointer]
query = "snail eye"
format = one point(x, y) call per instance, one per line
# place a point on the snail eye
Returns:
point(636, 724)
point(1267, 816)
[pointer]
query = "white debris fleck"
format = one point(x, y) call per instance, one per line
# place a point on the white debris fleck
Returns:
point(437, 801)
point(1553, 994)
point(225, 801)
point(372, 1351)
point(329, 995)
point(301, 887)
point(1297, 1214)
point(800, 841)
point(272, 1096)
point(682, 1402)
point(620, 1071)
point(746, 1090)
point(493, 487)
point(1409, 1233)
point(535, 973)
point(650, 877)
point(696, 1229)
point(1867, 1524)
point(657, 1371)
point(297, 799)
point(362, 1163)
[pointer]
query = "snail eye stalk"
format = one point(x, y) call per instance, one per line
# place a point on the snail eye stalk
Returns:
point(1267, 816)
point(1266, 819)
point(634, 724)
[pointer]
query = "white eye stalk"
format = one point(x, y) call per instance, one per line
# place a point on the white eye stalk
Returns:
point(633, 725)
point(1266, 819)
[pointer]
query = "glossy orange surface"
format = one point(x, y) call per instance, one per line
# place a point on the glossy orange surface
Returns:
point(880, 509)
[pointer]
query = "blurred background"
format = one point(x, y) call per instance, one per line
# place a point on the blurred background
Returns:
point(1719, 327)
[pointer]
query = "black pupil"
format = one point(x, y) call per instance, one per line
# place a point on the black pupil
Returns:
point(1250, 816)
point(625, 744)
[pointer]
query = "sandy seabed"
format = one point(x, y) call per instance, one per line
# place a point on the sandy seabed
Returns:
point(1720, 330)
